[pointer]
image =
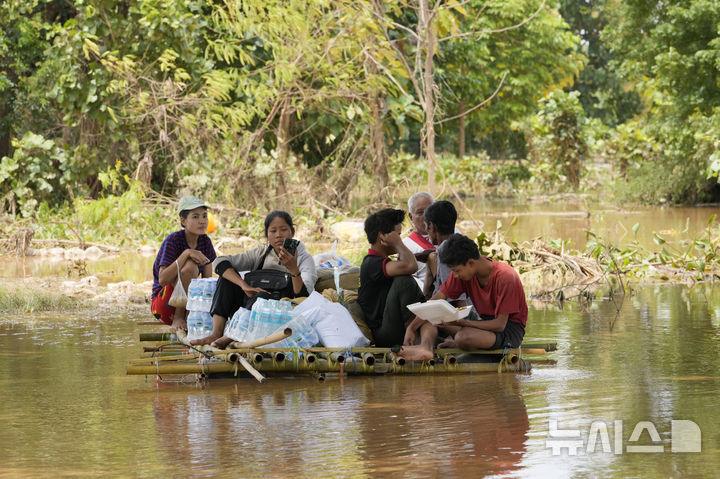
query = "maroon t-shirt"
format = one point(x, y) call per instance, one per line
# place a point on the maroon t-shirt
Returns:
point(503, 294)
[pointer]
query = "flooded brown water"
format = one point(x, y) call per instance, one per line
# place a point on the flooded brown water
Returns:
point(69, 409)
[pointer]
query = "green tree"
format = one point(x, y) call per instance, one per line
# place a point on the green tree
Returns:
point(604, 94)
point(671, 50)
point(521, 63)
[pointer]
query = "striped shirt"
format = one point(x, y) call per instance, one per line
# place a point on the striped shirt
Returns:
point(171, 249)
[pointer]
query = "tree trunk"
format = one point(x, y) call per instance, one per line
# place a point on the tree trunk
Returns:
point(4, 134)
point(377, 142)
point(461, 130)
point(283, 140)
point(427, 31)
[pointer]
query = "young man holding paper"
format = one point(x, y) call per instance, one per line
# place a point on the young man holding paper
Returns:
point(494, 289)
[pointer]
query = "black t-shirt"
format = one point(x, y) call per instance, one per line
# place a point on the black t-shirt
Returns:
point(374, 288)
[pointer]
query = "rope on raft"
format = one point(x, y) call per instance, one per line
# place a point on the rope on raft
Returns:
point(205, 356)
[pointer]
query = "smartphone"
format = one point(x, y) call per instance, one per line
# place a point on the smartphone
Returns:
point(290, 245)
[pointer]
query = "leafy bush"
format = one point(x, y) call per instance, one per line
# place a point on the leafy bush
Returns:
point(559, 136)
point(38, 171)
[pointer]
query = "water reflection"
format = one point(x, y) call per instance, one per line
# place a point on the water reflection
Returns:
point(353, 426)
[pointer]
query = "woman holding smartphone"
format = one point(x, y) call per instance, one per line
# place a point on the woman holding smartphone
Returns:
point(282, 254)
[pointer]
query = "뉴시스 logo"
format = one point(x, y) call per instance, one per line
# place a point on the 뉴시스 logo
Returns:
point(685, 437)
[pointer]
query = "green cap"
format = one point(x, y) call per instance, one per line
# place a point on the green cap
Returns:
point(190, 203)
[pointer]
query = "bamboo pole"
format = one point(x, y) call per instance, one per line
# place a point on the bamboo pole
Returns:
point(169, 347)
point(166, 336)
point(320, 366)
point(249, 368)
point(273, 338)
point(368, 358)
point(161, 357)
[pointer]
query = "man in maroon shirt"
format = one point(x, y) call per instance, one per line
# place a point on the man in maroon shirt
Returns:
point(495, 291)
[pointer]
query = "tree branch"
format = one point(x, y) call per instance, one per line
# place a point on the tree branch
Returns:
point(499, 30)
point(482, 103)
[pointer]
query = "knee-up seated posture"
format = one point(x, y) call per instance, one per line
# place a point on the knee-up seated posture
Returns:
point(189, 250)
point(234, 292)
point(494, 289)
point(386, 286)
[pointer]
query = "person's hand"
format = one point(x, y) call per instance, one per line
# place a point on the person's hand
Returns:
point(424, 255)
point(251, 291)
point(391, 239)
point(288, 260)
point(197, 257)
point(410, 337)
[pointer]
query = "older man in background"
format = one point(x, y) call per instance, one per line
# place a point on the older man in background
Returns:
point(418, 241)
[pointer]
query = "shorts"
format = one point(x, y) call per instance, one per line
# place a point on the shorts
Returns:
point(160, 307)
point(510, 337)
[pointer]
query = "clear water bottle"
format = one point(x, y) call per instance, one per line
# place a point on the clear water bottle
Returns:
point(209, 286)
point(196, 324)
point(207, 323)
point(194, 294)
point(239, 325)
point(256, 321)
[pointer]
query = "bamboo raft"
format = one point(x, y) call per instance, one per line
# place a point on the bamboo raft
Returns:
point(172, 356)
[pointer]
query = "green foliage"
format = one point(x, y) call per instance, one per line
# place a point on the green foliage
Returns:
point(604, 94)
point(698, 259)
point(277, 101)
point(37, 171)
point(671, 51)
point(540, 56)
point(125, 217)
point(559, 137)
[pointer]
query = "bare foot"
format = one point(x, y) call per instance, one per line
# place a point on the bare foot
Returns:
point(205, 340)
point(179, 323)
point(221, 343)
point(415, 353)
point(448, 343)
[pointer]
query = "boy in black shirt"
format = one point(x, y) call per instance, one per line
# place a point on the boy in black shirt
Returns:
point(386, 286)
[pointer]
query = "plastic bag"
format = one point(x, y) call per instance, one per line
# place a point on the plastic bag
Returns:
point(178, 298)
point(332, 322)
point(331, 259)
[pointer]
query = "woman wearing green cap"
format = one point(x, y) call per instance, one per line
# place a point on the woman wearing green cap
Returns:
point(188, 251)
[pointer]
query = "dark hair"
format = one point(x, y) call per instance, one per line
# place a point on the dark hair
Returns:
point(458, 249)
point(184, 213)
point(443, 215)
point(384, 221)
point(279, 214)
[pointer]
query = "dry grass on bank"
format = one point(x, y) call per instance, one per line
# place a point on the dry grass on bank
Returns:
point(14, 300)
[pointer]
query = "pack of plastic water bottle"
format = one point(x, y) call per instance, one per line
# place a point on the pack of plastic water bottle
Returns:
point(200, 294)
point(200, 324)
point(268, 316)
point(238, 326)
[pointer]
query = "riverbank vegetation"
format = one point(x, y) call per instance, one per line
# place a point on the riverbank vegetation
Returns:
point(332, 108)
point(29, 299)
point(311, 104)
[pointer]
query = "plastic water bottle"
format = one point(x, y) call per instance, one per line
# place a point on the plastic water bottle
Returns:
point(207, 323)
point(210, 284)
point(256, 327)
point(196, 325)
point(194, 295)
point(239, 325)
